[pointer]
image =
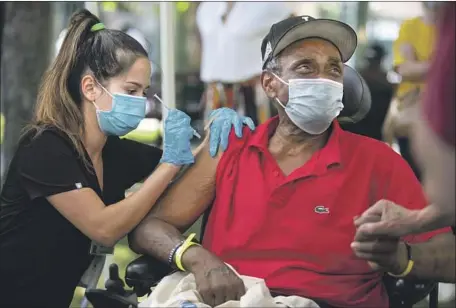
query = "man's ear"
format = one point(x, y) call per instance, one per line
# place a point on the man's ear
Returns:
point(268, 83)
point(89, 88)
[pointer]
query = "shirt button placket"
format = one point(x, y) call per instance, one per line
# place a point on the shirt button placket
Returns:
point(280, 196)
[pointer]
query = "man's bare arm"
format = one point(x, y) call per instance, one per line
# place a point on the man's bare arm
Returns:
point(180, 206)
point(159, 232)
point(435, 259)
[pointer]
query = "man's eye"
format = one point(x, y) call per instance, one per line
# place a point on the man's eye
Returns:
point(131, 92)
point(336, 70)
point(304, 67)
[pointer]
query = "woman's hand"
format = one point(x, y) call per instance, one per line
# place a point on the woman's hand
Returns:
point(176, 142)
point(222, 121)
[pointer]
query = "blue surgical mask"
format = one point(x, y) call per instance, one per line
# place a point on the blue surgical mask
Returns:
point(125, 115)
point(313, 103)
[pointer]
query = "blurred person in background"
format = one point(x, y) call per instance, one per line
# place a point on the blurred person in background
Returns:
point(433, 143)
point(412, 51)
point(231, 34)
point(381, 91)
point(71, 164)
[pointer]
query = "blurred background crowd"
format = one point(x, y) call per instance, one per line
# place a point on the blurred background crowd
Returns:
point(217, 60)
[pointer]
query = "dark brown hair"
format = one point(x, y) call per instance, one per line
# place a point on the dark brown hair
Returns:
point(104, 53)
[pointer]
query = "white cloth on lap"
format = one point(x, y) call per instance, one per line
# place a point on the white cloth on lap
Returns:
point(179, 290)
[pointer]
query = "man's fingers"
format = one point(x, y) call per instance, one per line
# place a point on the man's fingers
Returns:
point(204, 293)
point(375, 210)
point(219, 296)
point(240, 290)
point(376, 247)
point(375, 258)
point(381, 228)
point(364, 232)
point(207, 296)
point(365, 218)
point(230, 294)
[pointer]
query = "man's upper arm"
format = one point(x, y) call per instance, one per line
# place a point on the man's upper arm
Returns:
point(405, 190)
point(191, 194)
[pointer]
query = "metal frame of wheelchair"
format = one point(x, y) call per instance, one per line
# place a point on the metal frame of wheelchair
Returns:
point(145, 272)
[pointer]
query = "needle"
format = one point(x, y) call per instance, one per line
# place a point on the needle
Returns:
point(195, 133)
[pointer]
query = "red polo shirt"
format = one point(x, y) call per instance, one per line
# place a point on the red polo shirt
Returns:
point(295, 231)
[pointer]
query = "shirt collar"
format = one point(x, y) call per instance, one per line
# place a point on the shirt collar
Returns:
point(328, 156)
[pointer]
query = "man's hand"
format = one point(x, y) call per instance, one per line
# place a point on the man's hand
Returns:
point(381, 252)
point(215, 281)
point(392, 220)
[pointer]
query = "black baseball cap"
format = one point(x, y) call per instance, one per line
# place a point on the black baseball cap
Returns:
point(290, 30)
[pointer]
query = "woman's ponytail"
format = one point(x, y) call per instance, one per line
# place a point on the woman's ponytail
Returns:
point(85, 49)
point(56, 105)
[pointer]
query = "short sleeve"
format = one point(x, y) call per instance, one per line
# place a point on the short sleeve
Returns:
point(403, 37)
point(130, 161)
point(48, 165)
point(404, 189)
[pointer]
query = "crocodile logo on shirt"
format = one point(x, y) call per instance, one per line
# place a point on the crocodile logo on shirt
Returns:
point(320, 209)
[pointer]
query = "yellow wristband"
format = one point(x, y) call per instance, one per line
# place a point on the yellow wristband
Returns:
point(410, 263)
point(182, 249)
point(407, 270)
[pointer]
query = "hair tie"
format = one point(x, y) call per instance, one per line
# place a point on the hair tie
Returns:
point(97, 27)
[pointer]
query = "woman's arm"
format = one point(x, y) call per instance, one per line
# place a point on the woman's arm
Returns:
point(108, 224)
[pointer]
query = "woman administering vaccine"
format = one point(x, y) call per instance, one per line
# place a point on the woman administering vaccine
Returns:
point(71, 164)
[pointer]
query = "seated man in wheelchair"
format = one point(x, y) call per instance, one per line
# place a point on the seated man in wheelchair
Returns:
point(283, 199)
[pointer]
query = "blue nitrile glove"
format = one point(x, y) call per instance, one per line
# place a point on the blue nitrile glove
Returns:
point(176, 140)
point(223, 119)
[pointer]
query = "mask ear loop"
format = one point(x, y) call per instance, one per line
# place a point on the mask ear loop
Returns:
point(285, 83)
point(96, 106)
point(279, 102)
point(281, 80)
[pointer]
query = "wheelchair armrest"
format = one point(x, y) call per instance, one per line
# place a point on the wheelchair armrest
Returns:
point(407, 292)
point(145, 272)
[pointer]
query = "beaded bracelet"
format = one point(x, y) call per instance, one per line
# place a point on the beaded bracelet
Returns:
point(172, 253)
